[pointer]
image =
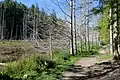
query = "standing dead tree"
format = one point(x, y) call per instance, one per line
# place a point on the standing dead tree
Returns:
point(2, 21)
point(111, 31)
point(71, 24)
point(73, 41)
point(75, 27)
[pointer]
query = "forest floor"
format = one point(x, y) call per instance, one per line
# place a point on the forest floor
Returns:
point(90, 68)
point(9, 52)
point(89, 61)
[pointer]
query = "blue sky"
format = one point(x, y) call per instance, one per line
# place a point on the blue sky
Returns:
point(42, 3)
point(46, 4)
point(49, 6)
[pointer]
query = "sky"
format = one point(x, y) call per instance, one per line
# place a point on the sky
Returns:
point(46, 4)
point(41, 3)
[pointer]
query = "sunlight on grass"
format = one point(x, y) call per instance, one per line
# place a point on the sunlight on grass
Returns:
point(14, 43)
point(106, 56)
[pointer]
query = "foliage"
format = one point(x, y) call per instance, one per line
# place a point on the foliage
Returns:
point(38, 67)
point(105, 21)
point(17, 17)
point(106, 56)
point(83, 52)
point(21, 67)
point(103, 27)
point(6, 77)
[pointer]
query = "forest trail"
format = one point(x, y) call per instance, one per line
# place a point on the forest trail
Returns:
point(89, 61)
point(86, 62)
point(91, 67)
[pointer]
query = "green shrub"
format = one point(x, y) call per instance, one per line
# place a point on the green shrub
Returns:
point(21, 67)
point(6, 77)
point(41, 67)
point(27, 65)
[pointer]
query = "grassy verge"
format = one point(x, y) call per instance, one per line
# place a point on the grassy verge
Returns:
point(40, 67)
point(106, 56)
point(35, 68)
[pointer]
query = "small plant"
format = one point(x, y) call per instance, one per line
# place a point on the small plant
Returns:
point(20, 67)
point(41, 67)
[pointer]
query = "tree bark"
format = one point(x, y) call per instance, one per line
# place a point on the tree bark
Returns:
point(72, 35)
point(111, 33)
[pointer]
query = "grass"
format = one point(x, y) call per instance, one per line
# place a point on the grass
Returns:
point(14, 43)
point(41, 67)
point(38, 67)
point(106, 56)
point(14, 50)
point(10, 43)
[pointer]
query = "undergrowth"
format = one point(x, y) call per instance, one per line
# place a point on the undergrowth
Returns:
point(38, 67)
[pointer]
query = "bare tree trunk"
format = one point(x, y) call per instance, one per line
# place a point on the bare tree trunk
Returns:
point(16, 32)
point(13, 22)
point(116, 28)
point(88, 26)
point(118, 33)
point(92, 39)
point(88, 42)
point(12, 29)
point(81, 45)
point(111, 33)
point(23, 25)
point(85, 33)
point(36, 30)
point(75, 28)
point(2, 22)
point(26, 20)
point(34, 22)
point(71, 17)
point(50, 33)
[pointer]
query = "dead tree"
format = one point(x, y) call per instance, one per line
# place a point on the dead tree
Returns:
point(75, 27)
point(24, 24)
point(71, 16)
point(71, 24)
point(88, 15)
point(2, 21)
point(34, 24)
point(111, 32)
point(13, 21)
point(50, 33)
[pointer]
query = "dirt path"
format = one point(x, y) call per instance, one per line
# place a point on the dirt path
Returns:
point(81, 67)
point(89, 61)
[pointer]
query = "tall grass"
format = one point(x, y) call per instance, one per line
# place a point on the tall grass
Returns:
point(41, 67)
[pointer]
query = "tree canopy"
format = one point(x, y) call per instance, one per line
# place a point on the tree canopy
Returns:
point(14, 17)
